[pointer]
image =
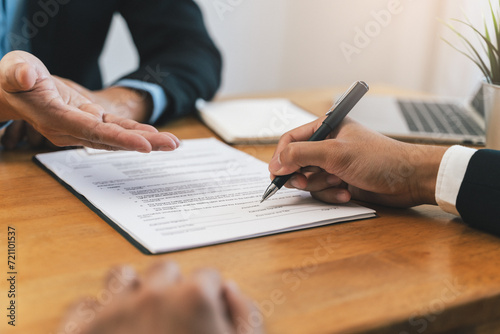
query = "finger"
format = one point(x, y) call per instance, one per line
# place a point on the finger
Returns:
point(70, 141)
point(205, 296)
point(297, 181)
point(327, 155)
point(241, 311)
point(162, 274)
point(20, 70)
point(310, 170)
point(333, 195)
point(78, 126)
point(90, 128)
point(79, 314)
point(160, 141)
point(18, 76)
point(93, 109)
point(210, 282)
point(14, 134)
point(316, 182)
point(305, 171)
point(302, 133)
point(22, 77)
point(157, 141)
point(128, 123)
point(121, 280)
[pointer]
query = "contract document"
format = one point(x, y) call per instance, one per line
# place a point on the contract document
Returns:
point(204, 193)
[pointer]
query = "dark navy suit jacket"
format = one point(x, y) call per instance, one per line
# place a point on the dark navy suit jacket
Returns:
point(478, 200)
point(175, 49)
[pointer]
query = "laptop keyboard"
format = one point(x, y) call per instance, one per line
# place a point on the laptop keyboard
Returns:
point(438, 118)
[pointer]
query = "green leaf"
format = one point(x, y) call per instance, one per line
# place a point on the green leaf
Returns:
point(497, 39)
point(491, 55)
point(488, 42)
point(484, 69)
point(474, 51)
point(479, 39)
point(495, 24)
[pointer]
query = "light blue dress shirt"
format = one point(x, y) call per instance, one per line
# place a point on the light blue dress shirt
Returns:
point(7, 15)
point(8, 18)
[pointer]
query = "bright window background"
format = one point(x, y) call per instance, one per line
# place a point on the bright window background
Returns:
point(277, 45)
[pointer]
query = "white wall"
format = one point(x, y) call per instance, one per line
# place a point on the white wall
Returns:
point(120, 56)
point(273, 45)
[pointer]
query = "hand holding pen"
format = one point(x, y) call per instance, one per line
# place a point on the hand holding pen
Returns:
point(334, 117)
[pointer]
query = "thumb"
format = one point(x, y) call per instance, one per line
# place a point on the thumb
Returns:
point(324, 154)
point(242, 312)
point(19, 71)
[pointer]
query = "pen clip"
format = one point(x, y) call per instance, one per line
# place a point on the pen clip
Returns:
point(343, 96)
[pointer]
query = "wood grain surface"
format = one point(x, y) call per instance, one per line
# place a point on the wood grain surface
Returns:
point(414, 270)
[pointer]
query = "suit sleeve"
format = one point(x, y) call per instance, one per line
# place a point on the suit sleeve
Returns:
point(175, 52)
point(478, 200)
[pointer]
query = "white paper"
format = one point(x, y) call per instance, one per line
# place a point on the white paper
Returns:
point(203, 193)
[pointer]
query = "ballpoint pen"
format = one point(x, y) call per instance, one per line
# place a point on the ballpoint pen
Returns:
point(335, 115)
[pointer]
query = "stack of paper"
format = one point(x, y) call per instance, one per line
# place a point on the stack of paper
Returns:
point(201, 194)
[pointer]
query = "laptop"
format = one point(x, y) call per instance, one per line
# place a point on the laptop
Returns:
point(438, 120)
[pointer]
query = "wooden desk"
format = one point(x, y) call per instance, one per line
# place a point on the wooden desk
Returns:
point(414, 271)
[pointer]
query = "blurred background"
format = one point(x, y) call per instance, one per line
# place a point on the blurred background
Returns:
point(280, 45)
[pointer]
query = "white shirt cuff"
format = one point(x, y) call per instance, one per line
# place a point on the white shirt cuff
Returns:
point(450, 176)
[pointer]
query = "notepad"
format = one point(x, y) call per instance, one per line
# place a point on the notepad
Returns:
point(252, 121)
point(204, 193)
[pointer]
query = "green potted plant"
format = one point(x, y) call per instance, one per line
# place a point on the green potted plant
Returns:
point(487, 59)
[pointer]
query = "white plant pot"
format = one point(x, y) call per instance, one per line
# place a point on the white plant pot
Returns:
point(492, 115)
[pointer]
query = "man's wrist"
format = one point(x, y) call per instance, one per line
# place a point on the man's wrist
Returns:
point(156, 92)
point(126, 102)
point(427, 160)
